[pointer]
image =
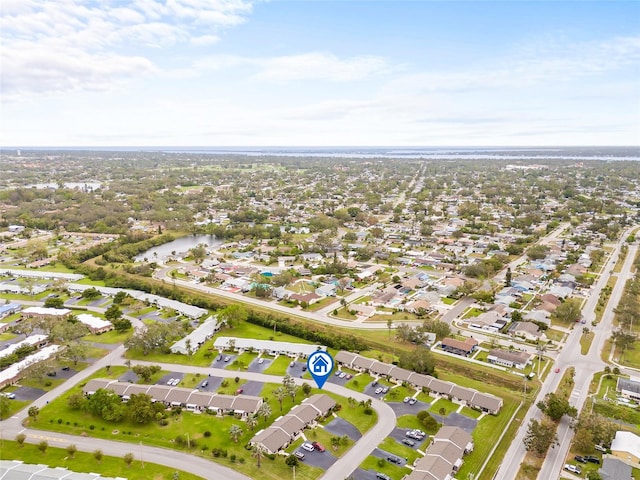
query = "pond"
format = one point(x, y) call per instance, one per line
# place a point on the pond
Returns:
point(180, 245)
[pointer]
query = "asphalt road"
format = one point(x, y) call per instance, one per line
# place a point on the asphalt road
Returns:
point(585, 366)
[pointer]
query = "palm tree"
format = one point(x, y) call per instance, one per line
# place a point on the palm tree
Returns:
point(235, 432)
point(280, 395)
point(252, 421)
point(258, 451)
point(541, 347)
point(264, 411)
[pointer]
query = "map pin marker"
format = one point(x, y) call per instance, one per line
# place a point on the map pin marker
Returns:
point(320, 364)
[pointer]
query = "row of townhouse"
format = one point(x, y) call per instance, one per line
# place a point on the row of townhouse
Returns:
point(270, 347)
point(287, 428)
point(443, 458)
point(462, 395)
point(94, 324)
point(191, 400)
point(13, 373)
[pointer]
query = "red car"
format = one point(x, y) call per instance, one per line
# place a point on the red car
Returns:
point(318, 446)
point(557, 370)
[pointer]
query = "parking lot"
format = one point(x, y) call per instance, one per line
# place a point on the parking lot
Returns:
point(317, 459)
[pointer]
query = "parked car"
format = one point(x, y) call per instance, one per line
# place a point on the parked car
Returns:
point(580, 459)
point(308, 447)
point(382, 476)
point(9, 395)
point(239, 391)
point(342, 375)
point(600, 448)
point(412, 401)
point(66, 368)
point(292, 364)
point(385, 389)
point(337, 373)
point(349, 376)
point(573, 468)
point(592, 459)
point(378, 391)
point(260, 361)
point(394, 459)
point(304, 368)
point(170, 382)
point(406, 441)
point(204, 384)
point(375, 382)
point(406, 400)
point(318, 446)
point(299, 455)
point(557, 370)
point(227, 358)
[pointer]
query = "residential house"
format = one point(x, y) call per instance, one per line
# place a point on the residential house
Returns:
point(528, 330)
point(305, 298)
point(629, 388)
point(95, 325)
point(510, 359)
point(197, 338)
point(626, 446)
point(458, 347)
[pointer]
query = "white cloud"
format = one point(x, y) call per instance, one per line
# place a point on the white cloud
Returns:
point(66, 45)
point(307, 66)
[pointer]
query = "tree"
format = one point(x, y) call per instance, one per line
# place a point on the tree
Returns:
point(113, 313)
point(264, 411)
point(140, 408)
point(389, 326)
point(251, 422)
point(122, 325)
point(5, 406)
point(75, 351)
point(128, 459)
point(555, 406)
point(233, 315)
point(568, 311)
point(145, 372)
point(91, 293)
point(292, 461)
point(33, 413)
point(20, 438)
point(156, 337)
point(54, 302)
point(306, 389)
point(235, 432)
point(72, 449)
point(507, 277)
point(97, 454)
point(540, 436)
point(280, 393)
point(537, 252)
point(419, 360)
point(623, 340)
point(42, 446)
point(120, 297)
point(258, 451)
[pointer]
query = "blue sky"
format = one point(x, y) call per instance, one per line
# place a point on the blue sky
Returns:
point(319, 73)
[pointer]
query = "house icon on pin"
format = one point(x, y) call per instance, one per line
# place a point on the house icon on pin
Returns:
point(320, 364)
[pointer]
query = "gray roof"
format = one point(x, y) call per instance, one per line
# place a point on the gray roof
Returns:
point(197, 337)
point(614, 469)
point(16, 470)
point(628, 385)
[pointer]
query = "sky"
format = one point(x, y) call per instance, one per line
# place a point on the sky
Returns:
point(319, 73)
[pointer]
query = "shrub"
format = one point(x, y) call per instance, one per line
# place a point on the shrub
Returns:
point(207, 434)
point(368, 411)
point(91, 427)
point(232, 458)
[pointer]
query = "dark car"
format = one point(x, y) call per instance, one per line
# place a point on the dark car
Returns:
point(592, 459)
point(580, 459)
point(406, 441)
point(394, 459)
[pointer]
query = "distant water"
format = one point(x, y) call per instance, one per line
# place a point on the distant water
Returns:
point(179, 245)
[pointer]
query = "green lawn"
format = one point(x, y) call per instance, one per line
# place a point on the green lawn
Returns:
point(393, 471)
point(470, 412)
point(85, 462)
point(585, 342)
point(278, 366)
point(402, 451)
point(448, 301)
point(14, 407)
point(7, 336)
point(111, 337)
point(359, 382)
point(397, 394)
point(242, 361)
point(448, 405)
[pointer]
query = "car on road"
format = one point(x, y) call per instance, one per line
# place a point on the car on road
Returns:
point(299, 455)
point(580, 459)
point(318, 446)
point(592, 459)
point(308, 447)
point(260, 361)
point(573, 468)
point(412, 401)
point(406, 441)
point(557, 370)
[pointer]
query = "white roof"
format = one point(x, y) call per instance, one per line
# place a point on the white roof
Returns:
point(289, 347)
point(47, 311)
point(13, 370)
point(31, 340)
point(93, 321)
point(17, 469)
point(626, 442)
point(183, 308)
point(197, 337)
point(12, 272)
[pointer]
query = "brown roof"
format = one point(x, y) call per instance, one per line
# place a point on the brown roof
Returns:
point(449, 451)
point(489, 402)
point(306, 413)
point(272, 438)
point(363, 362)
point(462, 393)
point(322, 402)
point(345, 358)
point(441, 387)
point(93, 385)
point(455, 435)
point(246, 403)
point(435, 466)
point(465, 346)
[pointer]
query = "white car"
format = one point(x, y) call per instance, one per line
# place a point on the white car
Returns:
point(378, 391)
point(260, 361)
point(176, 381)
point(573, 468)
point(342, 375)
point(308, 447)
point(406, 400)
point(170, 381)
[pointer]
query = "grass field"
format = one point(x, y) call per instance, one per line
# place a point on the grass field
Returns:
point(585, 342)
point(381, 465)
point(85, 462)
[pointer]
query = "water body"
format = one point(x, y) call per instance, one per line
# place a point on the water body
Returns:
point(180, 245)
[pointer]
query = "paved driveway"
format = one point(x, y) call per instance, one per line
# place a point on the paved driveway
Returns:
point(360, 474)
point(399, 434)
point(318, 459)
point(252, 388)
point(377, 452)
point(131, 377)
point(212, 386)
point(296, 370)
point(457, 420)
point(339, 426)
point(401, 408)
point(259, 367)
point(28, 393)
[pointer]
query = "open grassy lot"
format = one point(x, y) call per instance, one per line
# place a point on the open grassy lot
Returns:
point(242, 361)
point(402, 451)
point(14, 407)
point(112, 337)
point(397, 394)
point(585, 342)
point(359, 382)
point(85, 462)
point(448, 406)
point(278, 366)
